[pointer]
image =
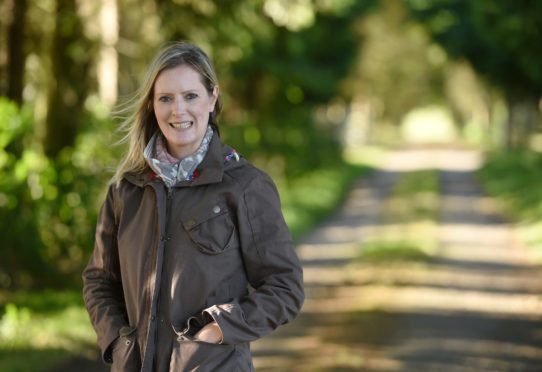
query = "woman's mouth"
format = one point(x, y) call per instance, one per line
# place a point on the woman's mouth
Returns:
point(182, 125)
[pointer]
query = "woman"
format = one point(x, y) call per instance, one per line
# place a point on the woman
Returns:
point(192, 259)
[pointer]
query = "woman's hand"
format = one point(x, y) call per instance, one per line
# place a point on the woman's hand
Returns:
point(209, 333)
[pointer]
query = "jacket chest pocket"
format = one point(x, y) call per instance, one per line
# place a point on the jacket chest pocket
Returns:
point(213, 230)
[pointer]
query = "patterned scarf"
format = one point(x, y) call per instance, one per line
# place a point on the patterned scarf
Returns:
point(170, 169)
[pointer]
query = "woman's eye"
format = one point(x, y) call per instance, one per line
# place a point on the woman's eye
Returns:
point(164, 99)
point(191, 96)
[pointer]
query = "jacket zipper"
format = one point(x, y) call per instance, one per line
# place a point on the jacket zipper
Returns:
point(163, 240)
point(170, 192)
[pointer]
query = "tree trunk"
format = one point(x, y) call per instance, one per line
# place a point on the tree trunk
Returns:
point(522, 121)
point(16, 54)
point(69, 84)
point(509, 134)
point(108, 62)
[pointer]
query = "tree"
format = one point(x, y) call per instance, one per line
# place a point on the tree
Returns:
point(279, 62)
point(501, 40)
point(396, 72)
point(16, 53)
point(71, 59)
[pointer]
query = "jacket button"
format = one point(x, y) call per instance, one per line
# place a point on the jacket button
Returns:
point(190, 222)
point(216, 209)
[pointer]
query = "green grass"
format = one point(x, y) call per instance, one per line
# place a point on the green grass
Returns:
point(409, 223)
point(40, 329)
point(513, 178)
point(31, 359)
point(415, 197)
point(384, 252)
point(308, 199)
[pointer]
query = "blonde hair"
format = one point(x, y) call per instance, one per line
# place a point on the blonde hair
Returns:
point(139, 121)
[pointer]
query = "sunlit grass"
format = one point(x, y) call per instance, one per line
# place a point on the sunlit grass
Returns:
point(513, 179)
point(531, 233)
point(38, 330)
point(364, 155)
point(419, 191)
point(392, 251)
point(307, 199)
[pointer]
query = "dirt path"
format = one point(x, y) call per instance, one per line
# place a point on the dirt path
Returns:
point(475, 307)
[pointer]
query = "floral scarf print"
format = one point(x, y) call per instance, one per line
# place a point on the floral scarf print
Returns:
point(170, 169)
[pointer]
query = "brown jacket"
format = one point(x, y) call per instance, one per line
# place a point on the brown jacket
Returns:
point(168, 261)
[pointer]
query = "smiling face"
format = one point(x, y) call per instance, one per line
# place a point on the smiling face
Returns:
point(182, 106)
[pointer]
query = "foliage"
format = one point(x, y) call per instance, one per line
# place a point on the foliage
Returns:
point(512, 178)
point(399, 69)
point(306, 200)
point(274, 72)
point(500, 39)
point(48, 206)
point(53, 203)
point(17, 176)
point(55, 162)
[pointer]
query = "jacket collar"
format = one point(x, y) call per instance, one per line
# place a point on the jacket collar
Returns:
point(210, 170)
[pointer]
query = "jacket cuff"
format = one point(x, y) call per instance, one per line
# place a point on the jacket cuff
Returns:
point(232, 323)
point(106, 346)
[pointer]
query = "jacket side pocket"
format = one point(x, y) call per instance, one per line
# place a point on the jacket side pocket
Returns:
point(189, 355)
point(126, 351)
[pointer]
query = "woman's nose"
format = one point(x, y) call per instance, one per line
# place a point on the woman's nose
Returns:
point(179, 107)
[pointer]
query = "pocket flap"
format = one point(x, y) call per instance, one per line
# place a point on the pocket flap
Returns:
point(204, 214)
point(212, 229)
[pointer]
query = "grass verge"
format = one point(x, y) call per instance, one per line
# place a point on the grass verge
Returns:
point(393, 251)
point(308, 199)
point(513, 179)
point(40, 329)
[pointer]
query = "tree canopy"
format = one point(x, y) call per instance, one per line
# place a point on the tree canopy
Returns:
point(501, 40)
point(278, 62)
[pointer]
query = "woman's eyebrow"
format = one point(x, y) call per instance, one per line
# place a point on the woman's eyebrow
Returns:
point(191, 90)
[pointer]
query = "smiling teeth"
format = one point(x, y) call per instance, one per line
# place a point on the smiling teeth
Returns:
point(183, 125)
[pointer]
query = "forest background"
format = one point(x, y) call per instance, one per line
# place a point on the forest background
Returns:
point(309, 87)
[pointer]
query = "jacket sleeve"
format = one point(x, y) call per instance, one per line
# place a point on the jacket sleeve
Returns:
point(102, 287)
point(272, 267)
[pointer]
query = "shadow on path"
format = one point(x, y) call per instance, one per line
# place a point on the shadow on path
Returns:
point(476, 306)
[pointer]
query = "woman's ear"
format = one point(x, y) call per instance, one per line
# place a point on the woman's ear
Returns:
point(216, 91)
